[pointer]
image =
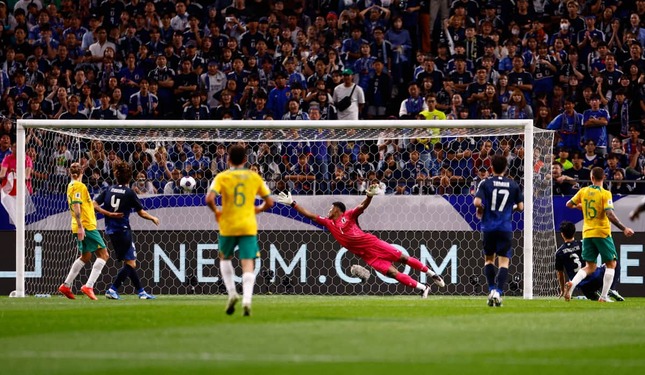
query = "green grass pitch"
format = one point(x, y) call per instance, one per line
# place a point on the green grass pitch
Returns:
point(320, 335)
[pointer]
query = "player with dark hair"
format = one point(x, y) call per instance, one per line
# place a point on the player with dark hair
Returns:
point(88, 238)
point(343, 225)
point(568, 261)
point(237, 221)
point(598, 211)
point(495, 200)
point(116, 202)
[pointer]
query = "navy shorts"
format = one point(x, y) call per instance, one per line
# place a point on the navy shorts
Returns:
point(123, 245)
point(498, 242)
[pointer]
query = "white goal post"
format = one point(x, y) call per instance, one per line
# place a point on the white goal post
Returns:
point(230, 131)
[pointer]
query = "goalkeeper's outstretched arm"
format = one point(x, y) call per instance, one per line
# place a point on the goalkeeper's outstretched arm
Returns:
point(304, 212)
point(371, 191)
point(288, 200)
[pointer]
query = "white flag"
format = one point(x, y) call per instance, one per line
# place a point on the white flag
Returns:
point(9, 200)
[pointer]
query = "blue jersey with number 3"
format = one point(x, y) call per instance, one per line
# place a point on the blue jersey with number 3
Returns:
point(118, 198)
point(498, 194)
point(568, 259)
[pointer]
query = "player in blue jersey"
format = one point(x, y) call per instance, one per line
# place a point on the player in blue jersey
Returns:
point(120, 198)
point(568, 261)
point(495, 200)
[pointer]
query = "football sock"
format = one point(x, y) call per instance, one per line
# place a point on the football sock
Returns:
point(578, 278)
point(614, 284)
point(407, 280)
point(502, 275)
point(226, 267)
point(607, 280)
point(248, 282)
point(77, 266)
point(417, 265)
point(96, 272)
point(124, 272)
point(489, 271)
point(136, 282)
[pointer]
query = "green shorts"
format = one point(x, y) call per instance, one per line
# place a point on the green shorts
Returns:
point(92, 242)
point(248, 246)
point(591, 247)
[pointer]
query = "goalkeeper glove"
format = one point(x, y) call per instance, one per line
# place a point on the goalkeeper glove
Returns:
point(372, 190)
point(286, 199)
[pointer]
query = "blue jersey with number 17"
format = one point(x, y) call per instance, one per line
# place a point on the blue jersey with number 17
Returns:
point(498, 195)
point(118, 198)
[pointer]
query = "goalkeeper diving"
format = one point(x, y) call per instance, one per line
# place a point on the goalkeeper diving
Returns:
point(380, 255)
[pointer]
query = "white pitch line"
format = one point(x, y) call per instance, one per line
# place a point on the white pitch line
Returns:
point(315, 358)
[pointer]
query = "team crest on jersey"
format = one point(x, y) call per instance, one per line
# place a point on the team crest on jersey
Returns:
point(77, 195)
point(343, 220)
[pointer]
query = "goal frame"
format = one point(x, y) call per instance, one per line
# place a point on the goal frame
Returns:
point(526, 125)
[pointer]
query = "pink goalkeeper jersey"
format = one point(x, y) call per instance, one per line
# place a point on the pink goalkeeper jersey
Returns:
point(346, 231)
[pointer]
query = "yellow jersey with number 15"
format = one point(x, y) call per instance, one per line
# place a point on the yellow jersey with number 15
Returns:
point(238, 188)
point(595, 202)
point(77, 193)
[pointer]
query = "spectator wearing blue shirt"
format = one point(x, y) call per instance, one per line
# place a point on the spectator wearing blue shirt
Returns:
point(198, 161)
point(279, 96)
point(160, 169)
point(568, 124)
point(595, 122)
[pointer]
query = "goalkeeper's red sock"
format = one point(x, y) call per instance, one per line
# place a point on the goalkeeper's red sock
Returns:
point(417, 265)
point(407, 280)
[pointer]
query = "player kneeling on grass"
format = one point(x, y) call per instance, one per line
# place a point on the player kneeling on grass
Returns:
point(568, 261)
point(597, 212)
point(116, 203)
point(88, 238)
point(380, 255)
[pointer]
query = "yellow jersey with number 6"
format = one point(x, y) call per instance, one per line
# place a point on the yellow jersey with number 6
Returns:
point(238, 188)
point(77, 193)
point(595, 202)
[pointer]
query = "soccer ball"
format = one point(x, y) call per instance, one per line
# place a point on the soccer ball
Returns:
point(187, 184)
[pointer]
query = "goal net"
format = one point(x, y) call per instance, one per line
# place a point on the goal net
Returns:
point(427, 172)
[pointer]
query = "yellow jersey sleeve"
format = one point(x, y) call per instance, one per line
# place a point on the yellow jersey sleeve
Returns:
point(609, 202)
point(263, 189)
point(216, 185)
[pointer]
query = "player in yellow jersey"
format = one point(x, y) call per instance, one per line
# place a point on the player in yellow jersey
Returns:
point(598, 211)
point(87, 236)
point(238, 187)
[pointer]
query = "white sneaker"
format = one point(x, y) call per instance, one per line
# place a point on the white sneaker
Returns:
point(438, 280)
point(497, 299)
point(426, 291)
point(230, 305)
point(615, 295)
point(491, 296)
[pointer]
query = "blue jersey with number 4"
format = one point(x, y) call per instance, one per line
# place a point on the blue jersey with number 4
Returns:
point(498, 195)
point(568, 259)
point(118, 198)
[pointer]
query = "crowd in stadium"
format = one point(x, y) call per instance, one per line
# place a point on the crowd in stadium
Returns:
point(574, 66)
